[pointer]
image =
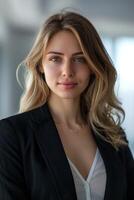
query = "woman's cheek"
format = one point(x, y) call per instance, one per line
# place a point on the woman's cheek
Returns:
point(51, 71)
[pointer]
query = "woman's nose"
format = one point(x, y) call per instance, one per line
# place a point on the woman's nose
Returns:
point(67, 70)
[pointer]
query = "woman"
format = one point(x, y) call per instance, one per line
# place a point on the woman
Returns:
point(67, 142)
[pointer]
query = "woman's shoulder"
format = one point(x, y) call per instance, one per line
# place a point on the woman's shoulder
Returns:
point(36, 114)
point(124, 151)
point(21, 123)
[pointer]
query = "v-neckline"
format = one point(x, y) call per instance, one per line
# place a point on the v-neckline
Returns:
point(91, 170)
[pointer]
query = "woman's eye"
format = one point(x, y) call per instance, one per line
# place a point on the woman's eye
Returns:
point(55, 59)
point(79, 60)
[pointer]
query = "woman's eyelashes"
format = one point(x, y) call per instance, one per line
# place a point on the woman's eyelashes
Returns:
point(55, 59)
point(80, 59)
point(77, 60)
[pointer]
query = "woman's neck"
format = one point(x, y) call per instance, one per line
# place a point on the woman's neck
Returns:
point(65, 111)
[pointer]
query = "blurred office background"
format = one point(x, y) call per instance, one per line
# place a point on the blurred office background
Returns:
point(19, 24)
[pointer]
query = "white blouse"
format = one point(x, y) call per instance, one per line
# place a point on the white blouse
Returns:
point(93, 188)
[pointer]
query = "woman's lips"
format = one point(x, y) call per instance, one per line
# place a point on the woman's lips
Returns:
point(67, 85)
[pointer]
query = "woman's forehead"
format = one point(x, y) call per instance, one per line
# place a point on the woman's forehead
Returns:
point(63, 41)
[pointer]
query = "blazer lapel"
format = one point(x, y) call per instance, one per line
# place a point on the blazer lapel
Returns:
point(114, 170)
point(53, 153)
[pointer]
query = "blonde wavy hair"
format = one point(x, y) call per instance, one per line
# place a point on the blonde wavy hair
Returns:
point(99, 104)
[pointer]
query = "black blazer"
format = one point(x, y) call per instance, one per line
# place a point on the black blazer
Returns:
point(33, 164)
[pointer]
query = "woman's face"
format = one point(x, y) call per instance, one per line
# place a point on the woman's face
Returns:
point(66, 71)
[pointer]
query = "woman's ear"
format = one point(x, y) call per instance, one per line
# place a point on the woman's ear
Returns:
point(40, 71)
point(91, 72)
point(41, 67)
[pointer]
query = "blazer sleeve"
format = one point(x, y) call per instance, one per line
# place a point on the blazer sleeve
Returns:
point(12, 183)
point(130, 173)
point(129, 165)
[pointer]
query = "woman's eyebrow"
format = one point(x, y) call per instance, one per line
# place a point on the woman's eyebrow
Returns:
point(78, 53)
point(60, 53)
